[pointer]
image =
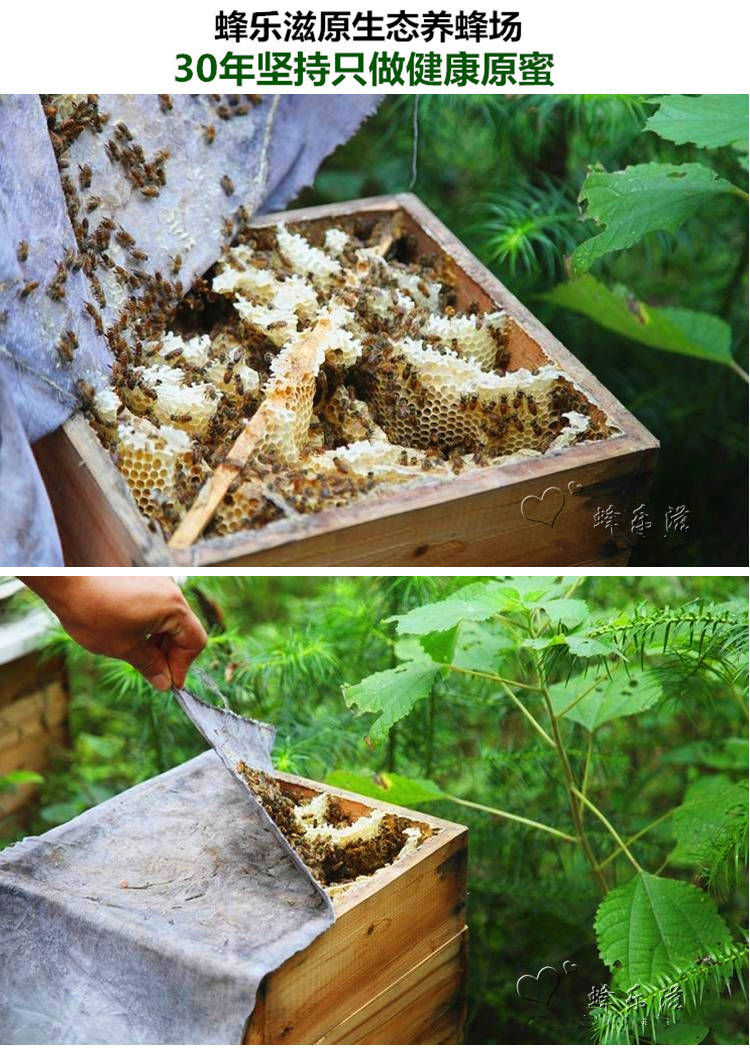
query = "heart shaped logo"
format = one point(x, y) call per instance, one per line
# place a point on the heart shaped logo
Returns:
point(539, 988)
point(574, 487)
point(569, 966)
point(544, 509)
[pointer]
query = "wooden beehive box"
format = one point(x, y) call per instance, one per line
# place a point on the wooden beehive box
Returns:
point(536, 511)
point(33, 715)
point(392, 967)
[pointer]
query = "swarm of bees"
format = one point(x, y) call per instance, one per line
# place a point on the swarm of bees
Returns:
point(401, 386)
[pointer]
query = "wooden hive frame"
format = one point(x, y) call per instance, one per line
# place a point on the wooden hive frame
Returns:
point(536, 511)
point(392, 967)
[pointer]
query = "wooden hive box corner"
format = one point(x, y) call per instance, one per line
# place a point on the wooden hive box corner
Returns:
point(392, 967)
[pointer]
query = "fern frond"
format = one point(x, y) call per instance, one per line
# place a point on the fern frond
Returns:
point(723, 870)
point(635, 1015)
point(527, 229)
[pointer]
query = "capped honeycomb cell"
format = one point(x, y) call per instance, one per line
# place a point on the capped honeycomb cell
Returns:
point(478, 338)
point(305, 258)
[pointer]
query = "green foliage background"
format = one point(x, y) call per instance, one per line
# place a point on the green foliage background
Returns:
point(281, 649)
point(505, 174)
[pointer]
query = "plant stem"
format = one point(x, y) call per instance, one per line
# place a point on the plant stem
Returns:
point(494, 678)
point(430, 739)
point(506, 685)
point(580, 697)
point(637, 836)
point(570, 785)
point(608, 826)
point(738, 370)
point(587, 765)
point(514, 818)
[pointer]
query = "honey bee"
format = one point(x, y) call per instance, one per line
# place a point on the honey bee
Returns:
point(149, 191)
point(209, 134)
point(22, 252)
point(28, 288)
point(91, 310)
point(84, 176)
point(165, 103)
point(227, 186)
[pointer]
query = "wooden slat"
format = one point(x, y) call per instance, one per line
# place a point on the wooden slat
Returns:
point(384, 928)
point(98, 519)
point(426, 1002)
point(301, 360)
point(480, 522)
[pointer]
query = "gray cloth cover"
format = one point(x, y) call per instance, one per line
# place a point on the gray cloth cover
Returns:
point(270, 154)
point(153, 917)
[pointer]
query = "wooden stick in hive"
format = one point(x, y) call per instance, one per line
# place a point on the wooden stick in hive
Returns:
point(304, 359)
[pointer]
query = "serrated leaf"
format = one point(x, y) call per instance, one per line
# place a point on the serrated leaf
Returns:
point(698, 823)
point(439, 645)
point(394, 788)
point(654, 925)
point(584, 646)
point(678, 330)
point(477, 601)
point(652, 197)
point(568, 611)
point(622, 695)
point(705, 120)
point(391, 693)
point(481, 646)
point(409, 648)
point(579, 645)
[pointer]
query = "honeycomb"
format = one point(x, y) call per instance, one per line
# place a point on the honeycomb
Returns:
point(341, 359)
point(154, 461)
point(339, 850)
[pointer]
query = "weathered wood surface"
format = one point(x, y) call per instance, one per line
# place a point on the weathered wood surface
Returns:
point(33, 725)
point(476, 518)
point(385, 929)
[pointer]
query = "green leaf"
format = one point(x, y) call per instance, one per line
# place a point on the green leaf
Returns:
point(20, 778)
point(705, 120)
point(439, 645)
point(481, 646)
point(654, 925)
point(680, 1034)
point(583, 646)
point(392, 693)
point(622, 695)
point(642, 198)
point(477, 601)
point(394, 788)
point(725, 754)
point(680, 330)
point(579, 645)
point(709, 806)
point(568, 611)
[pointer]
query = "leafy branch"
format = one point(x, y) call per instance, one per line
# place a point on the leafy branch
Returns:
point(650, 925)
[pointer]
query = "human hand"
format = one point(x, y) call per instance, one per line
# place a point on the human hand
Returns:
point(143, 620)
